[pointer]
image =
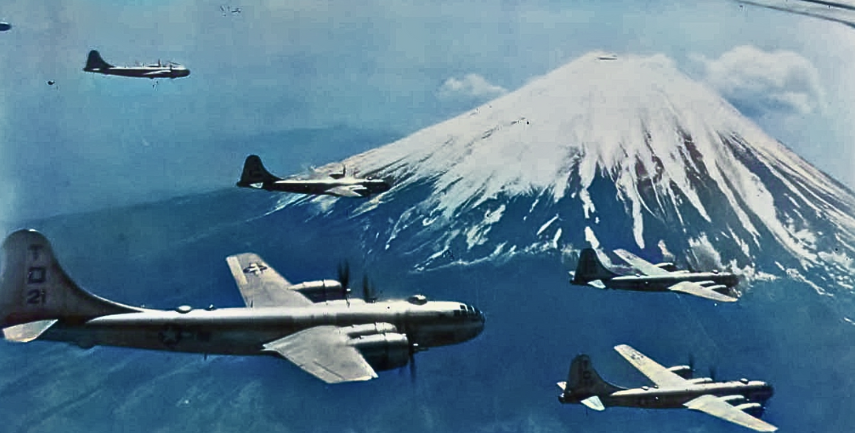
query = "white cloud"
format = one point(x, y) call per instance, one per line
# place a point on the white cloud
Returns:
point(471, 85)
point(759, 82)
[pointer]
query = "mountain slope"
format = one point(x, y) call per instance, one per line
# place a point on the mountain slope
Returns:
point(614, 153)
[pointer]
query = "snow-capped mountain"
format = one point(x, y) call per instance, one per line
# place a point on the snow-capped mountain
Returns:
point(619, 153)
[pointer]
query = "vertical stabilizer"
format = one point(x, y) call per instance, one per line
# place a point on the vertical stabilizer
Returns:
point(583, 382)
point(590, 268)
point(254, 174)
point(95, 63)
point(33, 287)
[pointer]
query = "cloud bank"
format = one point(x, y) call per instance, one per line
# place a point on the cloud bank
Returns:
point(760, 82)
point(471, 85)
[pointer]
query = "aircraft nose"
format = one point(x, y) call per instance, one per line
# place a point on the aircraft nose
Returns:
point(482, 319)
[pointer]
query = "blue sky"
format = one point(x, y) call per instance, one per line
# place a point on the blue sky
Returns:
point(392, 67)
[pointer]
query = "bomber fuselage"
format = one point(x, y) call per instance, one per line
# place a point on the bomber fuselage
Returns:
point(666, 398)
point(244, 331)
point(657, 283)
point(321, 186)
point(143, 71)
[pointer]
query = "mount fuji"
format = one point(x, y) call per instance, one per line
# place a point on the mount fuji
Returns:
point(625, 153)
point(490, 207)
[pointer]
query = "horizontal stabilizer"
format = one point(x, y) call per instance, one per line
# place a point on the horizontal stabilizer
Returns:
point(595, 403)
point(27, 332)
point(562, 385)
point(597, 283)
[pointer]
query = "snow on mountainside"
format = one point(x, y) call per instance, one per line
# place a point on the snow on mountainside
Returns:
point(627, 153)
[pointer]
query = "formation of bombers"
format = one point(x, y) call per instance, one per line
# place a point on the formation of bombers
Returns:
point(329, 334)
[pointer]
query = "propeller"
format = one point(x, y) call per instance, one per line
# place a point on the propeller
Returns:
point(713, 373)
point(692, 362)
point(413, 349)
point(344, 274)
point(369, 293)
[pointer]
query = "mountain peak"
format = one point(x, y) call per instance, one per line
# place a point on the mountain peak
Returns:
point(609, 111)
point(625, 147)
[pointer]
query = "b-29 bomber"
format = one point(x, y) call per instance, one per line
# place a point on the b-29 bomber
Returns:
point(94, 63)
point(313, 324)
point(660, 277)
point(254, 175)
point(734, 401)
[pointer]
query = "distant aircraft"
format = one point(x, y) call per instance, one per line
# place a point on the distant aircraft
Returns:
point(312, 324)
point(827, 10)
point(94, 63)
point(734, 401)
point(339, 184)
point(655, 278)
point(224, 9)
point(4, 26)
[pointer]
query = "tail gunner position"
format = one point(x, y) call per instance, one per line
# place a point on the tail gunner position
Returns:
point(312, 324)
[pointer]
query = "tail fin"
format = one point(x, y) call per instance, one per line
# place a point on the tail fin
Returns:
point(590, 268)
point(583, 382)
point(254, 174)
point(33, 287)
point(95, 62)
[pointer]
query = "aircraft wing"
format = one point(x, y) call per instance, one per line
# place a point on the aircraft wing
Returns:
point(719, 408)
point(347, 191)
point(831, 11)
point(260, 285)
point(640, 264)
point(658, 374)
point(323, 352)
point(698, 289)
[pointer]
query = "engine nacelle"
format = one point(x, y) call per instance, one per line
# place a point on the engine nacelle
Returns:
point(667, 266)
point(720, 288)
point(323, 290)
point(755, 409)
point(732, 399)
point(383, 351)
point(369, 329)
point(683, 371)
point(700, 380)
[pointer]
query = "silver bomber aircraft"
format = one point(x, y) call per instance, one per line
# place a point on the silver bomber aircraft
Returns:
point(254, 175)
point(660, 277)
point(94, 63)
point(312, 324)
point(673, 387)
